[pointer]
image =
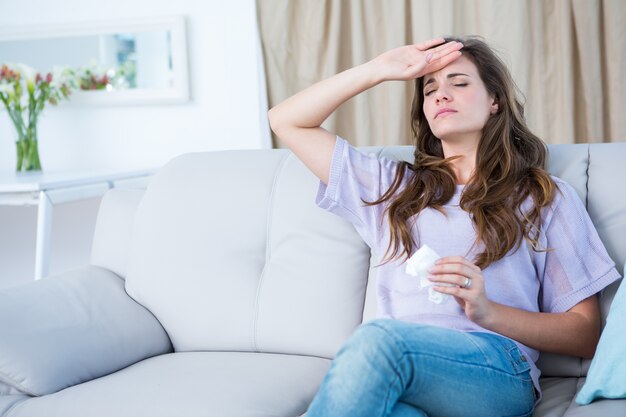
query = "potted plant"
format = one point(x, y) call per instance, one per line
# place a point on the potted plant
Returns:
point(24, 93)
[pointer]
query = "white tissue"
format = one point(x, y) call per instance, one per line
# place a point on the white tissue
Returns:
point(421, 261)
point(418, 266)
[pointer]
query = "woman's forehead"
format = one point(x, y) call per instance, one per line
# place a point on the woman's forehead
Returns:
point(460, 65)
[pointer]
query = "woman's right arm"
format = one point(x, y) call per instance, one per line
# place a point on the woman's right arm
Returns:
point(297, 120)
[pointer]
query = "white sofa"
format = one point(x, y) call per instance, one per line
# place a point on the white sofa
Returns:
point(222, 290)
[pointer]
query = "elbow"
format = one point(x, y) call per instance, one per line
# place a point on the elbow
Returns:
point(588, 350)
point(271, 117)
point(585, 329)
point(274, 120)
point(276, 125)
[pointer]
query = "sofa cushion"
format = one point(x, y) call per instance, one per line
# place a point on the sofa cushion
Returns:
point(67, 329)
point(9, 401)
point(606, 202)
point(558, 401)
point(311, 292)
point(607, 375)
point(192, 384)
point(570, 163)
point(557, 396)
point(595, 171)
point(230, 252)
point(112, 235)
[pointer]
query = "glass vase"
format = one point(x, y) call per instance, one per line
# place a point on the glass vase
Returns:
point(28, 151)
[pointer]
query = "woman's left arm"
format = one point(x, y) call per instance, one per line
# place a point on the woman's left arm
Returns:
point(575, 332)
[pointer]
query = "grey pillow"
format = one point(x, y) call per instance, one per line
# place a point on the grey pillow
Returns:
point(68, 329)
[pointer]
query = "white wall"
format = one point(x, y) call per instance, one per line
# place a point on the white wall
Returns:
point(226, 111)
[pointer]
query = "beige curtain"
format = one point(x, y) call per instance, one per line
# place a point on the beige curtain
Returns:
point(567, 56)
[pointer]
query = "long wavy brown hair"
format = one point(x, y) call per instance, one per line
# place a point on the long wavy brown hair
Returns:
point(510, 168)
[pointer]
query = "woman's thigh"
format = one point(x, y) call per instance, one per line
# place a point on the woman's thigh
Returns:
point(453, 373)
point(401, 409)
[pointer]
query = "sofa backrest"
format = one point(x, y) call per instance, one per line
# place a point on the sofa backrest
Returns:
point(229, 252)
point(596, 171)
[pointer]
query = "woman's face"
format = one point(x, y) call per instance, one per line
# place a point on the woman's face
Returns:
point(456, 102)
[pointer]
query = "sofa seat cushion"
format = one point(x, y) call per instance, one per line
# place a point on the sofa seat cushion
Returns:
point(9, 401)
point(192, 384)
point(558, 401)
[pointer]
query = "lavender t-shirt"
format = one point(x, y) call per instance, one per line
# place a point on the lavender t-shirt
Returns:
point(553, 281)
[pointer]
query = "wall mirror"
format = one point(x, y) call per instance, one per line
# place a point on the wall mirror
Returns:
point(139, 61)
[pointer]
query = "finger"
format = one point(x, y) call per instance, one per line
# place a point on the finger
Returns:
point(447, 48)
point(453, 279)
point(454, 268)
point(452, 259)
point(423, 67)
point(455, 291)
point(437, 62)
point(457, 260)
point(430, 43)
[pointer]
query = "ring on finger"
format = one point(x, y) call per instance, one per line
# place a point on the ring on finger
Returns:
point(467, 283)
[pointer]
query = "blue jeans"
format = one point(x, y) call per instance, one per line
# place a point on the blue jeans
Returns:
point(400, 369)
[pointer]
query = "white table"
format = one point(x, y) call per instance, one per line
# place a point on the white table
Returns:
point(47, 189)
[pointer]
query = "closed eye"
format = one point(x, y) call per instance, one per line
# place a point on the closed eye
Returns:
point(426, 94)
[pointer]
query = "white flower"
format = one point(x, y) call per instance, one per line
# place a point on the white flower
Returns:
point(61, 75)
point(7, 88)
point(26, 72)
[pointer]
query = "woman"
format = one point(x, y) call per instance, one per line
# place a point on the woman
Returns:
point(520, 256)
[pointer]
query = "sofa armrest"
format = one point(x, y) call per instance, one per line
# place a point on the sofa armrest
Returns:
point(71, 328)
point(112, 236)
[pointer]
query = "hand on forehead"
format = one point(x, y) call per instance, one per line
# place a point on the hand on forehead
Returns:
point(461, 65)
